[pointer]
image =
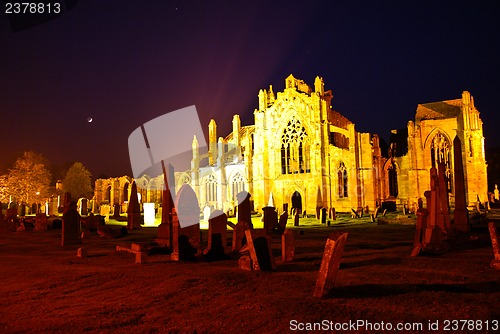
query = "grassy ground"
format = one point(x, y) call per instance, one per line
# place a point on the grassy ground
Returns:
point(47, 288)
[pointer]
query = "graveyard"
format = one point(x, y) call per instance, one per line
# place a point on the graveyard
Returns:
point(47, 287)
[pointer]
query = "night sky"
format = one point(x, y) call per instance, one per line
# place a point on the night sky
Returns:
point(125, 62)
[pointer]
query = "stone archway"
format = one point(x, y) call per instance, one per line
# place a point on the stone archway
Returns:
point(296, 200)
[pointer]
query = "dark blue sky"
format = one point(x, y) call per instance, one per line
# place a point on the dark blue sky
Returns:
point(125, 62)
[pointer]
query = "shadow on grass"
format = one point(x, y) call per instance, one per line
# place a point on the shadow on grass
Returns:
point(385, 290)
point(380, 261)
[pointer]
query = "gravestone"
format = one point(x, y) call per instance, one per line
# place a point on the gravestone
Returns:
point(165, 228)
point(496, 193)
point(283, 220)
point(285, 207)
point(270, 218)
point(330, 263)
point(323, 216)
point(318, 212)
point(22, 210)
point(420, 229)
point(217, 236)
point(186, 224)
point(375, 214)
point(333, 214)
point(81, 252)
point(287, 246)
point(134, 219)
point(84, 207)
point(244, 208)
point(296, 218)
point(66, 202)
point(494, 243)
point(239, 238)
point(260, 252)
point(71, 226)
point(116, 210)
point(41, 222)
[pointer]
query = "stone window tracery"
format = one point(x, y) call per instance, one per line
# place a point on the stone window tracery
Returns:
point(294, 149)
point(441, 153)
point(237, 184)
point(211, 188)
point(342, 181)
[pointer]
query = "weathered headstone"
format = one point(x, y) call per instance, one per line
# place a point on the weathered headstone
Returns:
point(41, 222)
point(116, 210)
point(287, 246)
point(260, 252)
point(239, 238)
point(420, 229)
point(187, 214)
point(108, 232)
point(323, 216)
point(296, 217)
point(270, 218)
point(84, 207)
point(244, 208)
point(283, 220)
point(165, 228)
point(333, 214)
point(136, 249)
point(494, 243)
point(217, 236)
point(330, 263)
point(81, 252)
point(496, 193)
point(134, 220)
point(71, 226)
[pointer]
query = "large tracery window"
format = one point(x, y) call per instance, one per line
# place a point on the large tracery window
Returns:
point(342, 179)
point(211, 188)
point(441, 153)
point(294, 149)
point(237, 184)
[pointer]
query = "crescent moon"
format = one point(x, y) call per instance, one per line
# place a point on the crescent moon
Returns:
point(89, 119)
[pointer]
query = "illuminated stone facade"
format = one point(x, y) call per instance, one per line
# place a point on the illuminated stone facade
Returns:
point(300, 147)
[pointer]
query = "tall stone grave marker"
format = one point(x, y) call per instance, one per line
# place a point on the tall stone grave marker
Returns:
point(332, 256)
point(270, 218)
point(71, 226)
point(260, 252)
point(494, 243)
point(133, 210)
point(217, 236)
point(287, 246)
point(187, 211)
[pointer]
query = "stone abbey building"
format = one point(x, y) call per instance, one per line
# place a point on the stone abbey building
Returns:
point(308, 155)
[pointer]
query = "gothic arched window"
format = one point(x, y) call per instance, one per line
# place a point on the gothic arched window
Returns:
point(441, 153)
point(342, 180)
point(237, 184)
point(211, 188)
point(294, 149)
point(393, 180)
